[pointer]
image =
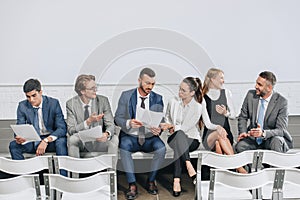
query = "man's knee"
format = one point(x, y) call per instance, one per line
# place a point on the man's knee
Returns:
point(278, 144)
point(73, 140)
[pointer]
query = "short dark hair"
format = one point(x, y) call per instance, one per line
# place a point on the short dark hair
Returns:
point(32, 84)
point(148, 72)
point(269, 76)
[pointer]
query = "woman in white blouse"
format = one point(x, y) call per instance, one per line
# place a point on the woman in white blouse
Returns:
point(219, 107)
point(183, 122)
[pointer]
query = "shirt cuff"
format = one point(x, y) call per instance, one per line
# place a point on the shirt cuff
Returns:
point(53, 137)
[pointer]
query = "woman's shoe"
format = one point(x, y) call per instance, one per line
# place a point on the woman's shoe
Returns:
point(176, 194)
point(176, 187)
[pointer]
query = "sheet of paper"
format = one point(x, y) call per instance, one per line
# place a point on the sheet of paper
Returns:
point(148, 117)
point(90, 134)
point(26, 131)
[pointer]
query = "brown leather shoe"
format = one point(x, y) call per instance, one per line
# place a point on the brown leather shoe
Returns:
point(131, 192)
point(151, 188)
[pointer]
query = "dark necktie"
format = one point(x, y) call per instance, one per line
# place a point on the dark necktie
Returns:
point(36, 120)
point(142, 129)
point(86, 112)
point(260, 119)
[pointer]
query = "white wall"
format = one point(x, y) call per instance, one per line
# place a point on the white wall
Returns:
point(55, 40)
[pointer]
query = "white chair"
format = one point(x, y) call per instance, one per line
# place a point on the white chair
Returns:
point(220, 178)
point(97, 186)
point(220, 161)
point(25, 187)
point(27, 166)
point(88, 165)
point(279, 160)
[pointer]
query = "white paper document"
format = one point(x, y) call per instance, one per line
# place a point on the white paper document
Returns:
point(90, 134)
point(26, 131)
point(148, 117)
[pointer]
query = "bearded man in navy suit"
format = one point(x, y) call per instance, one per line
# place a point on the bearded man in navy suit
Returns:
point(130, 140)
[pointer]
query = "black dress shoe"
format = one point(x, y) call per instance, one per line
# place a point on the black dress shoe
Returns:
point(131, 193)
point(176, 193)
point(152, 188)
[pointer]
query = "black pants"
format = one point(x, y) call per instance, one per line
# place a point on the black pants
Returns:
point(182, 145)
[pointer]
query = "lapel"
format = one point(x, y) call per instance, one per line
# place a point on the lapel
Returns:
point(94, 108)
point(45, 110)
point(30, 113)
point(77, 106)
point(174, 110)
point(255, 108)
point(132, 105)
point(271, 106)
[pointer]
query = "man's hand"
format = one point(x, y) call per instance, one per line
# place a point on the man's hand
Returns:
point(41, 148)
point(103, 138)
point(155, 130)
point(94, 118)
point(241, 136)
point(134, 123)
point(256, 132)
point(20, 140)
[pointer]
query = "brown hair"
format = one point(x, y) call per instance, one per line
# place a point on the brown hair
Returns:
point(81, 82)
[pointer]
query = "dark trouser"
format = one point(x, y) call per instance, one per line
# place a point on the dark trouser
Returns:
point(59, 146)
point(129, 144)
point(182, 145)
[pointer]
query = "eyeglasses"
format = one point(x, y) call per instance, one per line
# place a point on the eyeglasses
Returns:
point(92, 88)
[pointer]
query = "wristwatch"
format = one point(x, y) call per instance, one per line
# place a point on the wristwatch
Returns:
point(46, 140)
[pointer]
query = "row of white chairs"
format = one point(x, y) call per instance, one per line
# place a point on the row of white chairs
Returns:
point(255, 159)
point(56, 186)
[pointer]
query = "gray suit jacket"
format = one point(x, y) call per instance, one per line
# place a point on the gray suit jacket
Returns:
point(75, 114)
point(276, 116)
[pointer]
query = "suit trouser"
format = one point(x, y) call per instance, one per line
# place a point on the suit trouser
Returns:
point(59, 146)
point(276, 143)
point(129, 144)
point(75, 146)
point(182, 145)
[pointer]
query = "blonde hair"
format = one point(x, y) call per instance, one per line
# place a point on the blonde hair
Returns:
point(211, 73)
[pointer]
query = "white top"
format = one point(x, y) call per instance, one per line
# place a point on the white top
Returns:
point(186, 118)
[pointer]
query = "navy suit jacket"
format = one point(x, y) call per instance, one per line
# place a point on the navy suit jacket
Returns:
point(52, 116)
point(127, 107)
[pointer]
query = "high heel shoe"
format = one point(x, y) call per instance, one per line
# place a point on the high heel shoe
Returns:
point(176, 188)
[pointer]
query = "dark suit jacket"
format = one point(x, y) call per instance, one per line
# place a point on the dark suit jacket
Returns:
point(276, 116)
point(52, 116)
point(127, 107)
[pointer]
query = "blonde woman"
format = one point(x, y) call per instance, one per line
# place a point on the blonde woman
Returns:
point(219, 106)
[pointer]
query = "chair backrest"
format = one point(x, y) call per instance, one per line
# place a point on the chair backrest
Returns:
point(84, 165)
point(27, 166)
point(277, 159)
point(220, 161)
point(88, 165)
point(97, 186)
point(239, 181)
point(20, 187)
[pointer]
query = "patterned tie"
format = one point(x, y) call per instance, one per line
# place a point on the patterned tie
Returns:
point(142, 129)
point(36, 120)
point(260, 119)
point(86, 112)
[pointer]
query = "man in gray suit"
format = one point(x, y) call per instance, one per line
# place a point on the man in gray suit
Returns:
point(267, 111)
point(87, 110)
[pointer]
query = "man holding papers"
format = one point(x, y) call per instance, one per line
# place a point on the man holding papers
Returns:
point(45, 115)
point(134, 136)
point(89, 119)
